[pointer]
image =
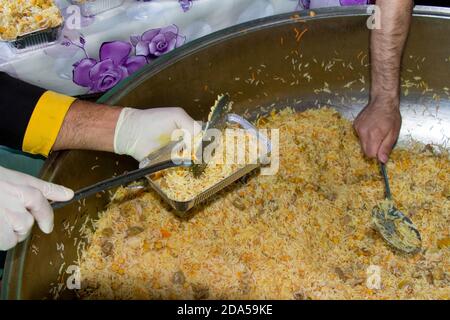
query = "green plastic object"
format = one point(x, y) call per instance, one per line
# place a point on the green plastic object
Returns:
point(19, 161)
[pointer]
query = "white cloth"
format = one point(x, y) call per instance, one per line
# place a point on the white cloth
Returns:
point(52, 67)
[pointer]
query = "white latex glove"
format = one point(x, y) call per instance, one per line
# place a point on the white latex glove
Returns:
point(140, 132)
point(24, 199)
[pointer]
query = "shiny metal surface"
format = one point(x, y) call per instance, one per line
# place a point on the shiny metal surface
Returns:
point(216, 120)
point(262, 66)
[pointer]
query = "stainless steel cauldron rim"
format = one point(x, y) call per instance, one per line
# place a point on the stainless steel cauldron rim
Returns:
point(128, 84)
point(16, 257)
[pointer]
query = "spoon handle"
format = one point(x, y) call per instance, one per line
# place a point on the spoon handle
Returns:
point(386, 181)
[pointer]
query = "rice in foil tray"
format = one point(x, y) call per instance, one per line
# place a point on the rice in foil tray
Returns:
point(21, 17)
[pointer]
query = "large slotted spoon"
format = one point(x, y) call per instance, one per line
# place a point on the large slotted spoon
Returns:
point(396, 228)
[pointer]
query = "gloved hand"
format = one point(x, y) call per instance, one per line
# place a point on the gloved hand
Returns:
point(23, 199)
point(140, 132)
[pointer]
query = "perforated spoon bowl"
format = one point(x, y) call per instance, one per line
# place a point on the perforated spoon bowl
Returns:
point(395, 227)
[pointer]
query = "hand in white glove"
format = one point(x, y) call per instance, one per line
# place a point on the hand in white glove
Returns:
point(140, 132)
point(23, 199)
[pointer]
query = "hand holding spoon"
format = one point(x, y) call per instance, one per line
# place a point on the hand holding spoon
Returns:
point(396, 228)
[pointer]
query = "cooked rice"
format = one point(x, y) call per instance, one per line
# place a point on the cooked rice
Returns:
point(304, 233)
point(178, 183)
point(21, 17)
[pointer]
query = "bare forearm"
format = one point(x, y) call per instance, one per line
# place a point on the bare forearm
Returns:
point(88, 126)
point(387, 46)
point(378, 124)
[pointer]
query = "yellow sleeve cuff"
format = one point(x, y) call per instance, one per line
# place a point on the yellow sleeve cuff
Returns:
point(45, 123)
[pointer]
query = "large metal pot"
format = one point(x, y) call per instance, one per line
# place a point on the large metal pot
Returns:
point(257, 63)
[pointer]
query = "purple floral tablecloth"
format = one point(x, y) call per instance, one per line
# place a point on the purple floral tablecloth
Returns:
point(94, 53)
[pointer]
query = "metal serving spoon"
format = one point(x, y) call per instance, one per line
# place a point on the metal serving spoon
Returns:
point(396, 228)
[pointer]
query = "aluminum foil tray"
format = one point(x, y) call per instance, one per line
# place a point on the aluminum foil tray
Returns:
point(181, 207)
point(35, 40)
